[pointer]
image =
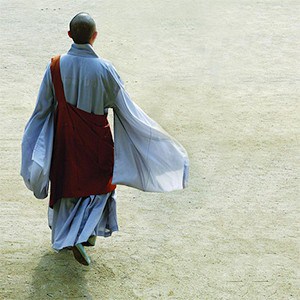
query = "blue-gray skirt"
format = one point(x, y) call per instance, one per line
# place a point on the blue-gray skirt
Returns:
point(74, 220)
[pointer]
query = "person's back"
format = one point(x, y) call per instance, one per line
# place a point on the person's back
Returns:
point(86, 79)
point(83, 154)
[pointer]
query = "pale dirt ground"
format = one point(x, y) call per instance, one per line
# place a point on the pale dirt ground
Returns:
point(220, 76)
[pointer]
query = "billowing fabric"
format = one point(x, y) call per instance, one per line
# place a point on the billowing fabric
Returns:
point(145, 156)
point(83, 152)
point(157, 162)
point(74, 220)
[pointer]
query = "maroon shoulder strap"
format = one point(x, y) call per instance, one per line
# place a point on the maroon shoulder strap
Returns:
point(56, 79)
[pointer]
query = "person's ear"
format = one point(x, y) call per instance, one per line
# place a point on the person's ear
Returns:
point(92, 39)
point(69, 34)
point(94, 35)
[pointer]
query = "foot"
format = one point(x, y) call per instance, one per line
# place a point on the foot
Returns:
point(80, 255)
point(90, 242)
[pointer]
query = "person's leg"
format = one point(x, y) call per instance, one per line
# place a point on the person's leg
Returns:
point(90, 242)
point(80, 255)
point(76, 222)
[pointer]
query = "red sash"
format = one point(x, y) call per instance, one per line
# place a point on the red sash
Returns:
point(83, 150)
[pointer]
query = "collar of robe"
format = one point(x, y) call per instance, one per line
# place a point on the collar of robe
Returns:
point(82, 50)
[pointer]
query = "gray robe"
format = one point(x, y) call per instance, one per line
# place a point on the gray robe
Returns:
point(146, 157)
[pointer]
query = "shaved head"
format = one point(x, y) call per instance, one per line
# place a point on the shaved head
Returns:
point(82, 27)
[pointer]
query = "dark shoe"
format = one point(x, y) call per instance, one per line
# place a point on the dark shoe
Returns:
point(90, 242)
point(80, 255)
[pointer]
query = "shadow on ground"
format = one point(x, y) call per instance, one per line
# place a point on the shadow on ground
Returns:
point(60, 276)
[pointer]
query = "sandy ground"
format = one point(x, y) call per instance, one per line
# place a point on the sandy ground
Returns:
point(220, 76)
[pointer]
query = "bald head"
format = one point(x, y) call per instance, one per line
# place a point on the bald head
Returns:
point(82, 28)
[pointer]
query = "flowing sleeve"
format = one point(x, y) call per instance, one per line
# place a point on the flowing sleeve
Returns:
point(38, 140)
point(146, 157)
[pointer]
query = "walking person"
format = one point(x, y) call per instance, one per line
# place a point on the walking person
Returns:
point(68, 142)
